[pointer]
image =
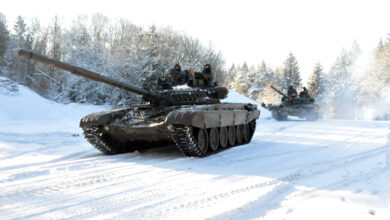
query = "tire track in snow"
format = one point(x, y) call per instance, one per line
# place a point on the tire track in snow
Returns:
point(81, 184)
point(151, 199)
point(260, 208)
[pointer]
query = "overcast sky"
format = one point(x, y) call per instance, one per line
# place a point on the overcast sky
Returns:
point(243, 30)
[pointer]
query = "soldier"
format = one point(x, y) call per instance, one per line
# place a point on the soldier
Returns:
point(208, 75)
point(178, 76)
point(292, 94)
point(291, 91)
point(304, 93)
point(177, 67)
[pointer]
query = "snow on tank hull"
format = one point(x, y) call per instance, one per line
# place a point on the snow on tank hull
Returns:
point(196, 130)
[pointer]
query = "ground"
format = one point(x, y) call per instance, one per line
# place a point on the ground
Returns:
point(328, 169)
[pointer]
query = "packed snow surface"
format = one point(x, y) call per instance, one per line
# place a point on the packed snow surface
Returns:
point(295, 169)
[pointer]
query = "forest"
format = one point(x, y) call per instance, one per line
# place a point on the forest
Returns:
point(133, 54)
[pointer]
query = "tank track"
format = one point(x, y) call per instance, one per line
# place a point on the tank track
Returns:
point(102, 142)
point(184, 137)
point(252, 129)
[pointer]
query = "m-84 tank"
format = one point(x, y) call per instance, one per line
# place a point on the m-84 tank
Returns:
point(301, 106)
point(194, 119)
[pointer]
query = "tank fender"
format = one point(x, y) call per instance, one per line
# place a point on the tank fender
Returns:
point(104, 117)
point(209, 119)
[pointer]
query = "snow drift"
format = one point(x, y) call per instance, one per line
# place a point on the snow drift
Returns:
point(20, 105)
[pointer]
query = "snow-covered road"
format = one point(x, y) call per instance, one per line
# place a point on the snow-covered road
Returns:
point(291, 170)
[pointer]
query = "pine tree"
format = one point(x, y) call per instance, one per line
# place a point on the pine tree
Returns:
point(253, 84)
point(4, 35)
point(342, 85)
point(229, 75)
point(315, 86)
point(19, 66)
point(241, 80)
point(291, 74)
point(20, 29)
point(264, 79)
point(377, 78)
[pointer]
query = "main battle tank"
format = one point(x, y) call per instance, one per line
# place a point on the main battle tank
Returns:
point(194, 119)
point(302, 107)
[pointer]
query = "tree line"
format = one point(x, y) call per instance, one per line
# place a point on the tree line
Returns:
point(346, 91)
point(120, 50)
point(133, 54)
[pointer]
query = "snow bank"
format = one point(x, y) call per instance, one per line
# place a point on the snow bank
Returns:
point(235, 97)
point(21, 105)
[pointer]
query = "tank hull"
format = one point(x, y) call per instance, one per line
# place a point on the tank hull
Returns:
point(144, 127)
point(304, 111)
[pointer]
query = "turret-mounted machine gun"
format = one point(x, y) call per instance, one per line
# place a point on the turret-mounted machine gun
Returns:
point(194, 119)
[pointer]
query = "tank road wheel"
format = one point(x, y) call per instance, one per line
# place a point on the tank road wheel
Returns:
point(274, 115)
point(311, 116)
point(278, 116)
point(232, 135)
point(203, 141)
point(246, 133)
point(223, 137)
point(214, 139)
point(190, 140)
point(239, 134)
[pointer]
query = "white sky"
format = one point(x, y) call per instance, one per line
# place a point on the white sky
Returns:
point(243, 30)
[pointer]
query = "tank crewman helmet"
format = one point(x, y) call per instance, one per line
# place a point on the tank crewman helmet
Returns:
point(207, 68)
point(177, 67)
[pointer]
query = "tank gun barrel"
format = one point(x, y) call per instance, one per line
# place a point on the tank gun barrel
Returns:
point(156, 98)
point(84, 73)
point(278, 91)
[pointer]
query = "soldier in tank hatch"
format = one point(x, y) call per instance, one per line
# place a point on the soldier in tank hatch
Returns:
point(208, 75)
point(291, 91)
point(292, 94)
point(304, 93)
point(178, 77)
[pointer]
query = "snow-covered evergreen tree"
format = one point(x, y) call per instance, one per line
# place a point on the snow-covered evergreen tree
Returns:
point(20, 39)
point(240, 82)
point(254, 80)
point(4, 37)
point(316, 83)
point(377, 78)
point(20, 31)
point(342, 86)
point(265, 78)
point(229, 76)
point(291, 74)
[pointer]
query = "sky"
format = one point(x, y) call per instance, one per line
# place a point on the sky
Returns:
point(243, 30)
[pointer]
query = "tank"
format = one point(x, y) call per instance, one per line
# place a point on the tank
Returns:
point(194, 119)
point(302, 107)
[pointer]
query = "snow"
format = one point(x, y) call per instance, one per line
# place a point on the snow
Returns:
point(235, 97)
point(27, 109)
point(328, 169)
